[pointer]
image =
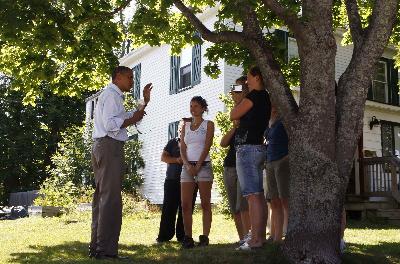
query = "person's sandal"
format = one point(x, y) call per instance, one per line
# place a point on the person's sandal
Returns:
point(203, 241)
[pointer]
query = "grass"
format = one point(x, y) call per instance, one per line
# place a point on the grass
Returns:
point(65, 240)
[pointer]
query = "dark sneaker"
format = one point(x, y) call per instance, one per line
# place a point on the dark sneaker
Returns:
point(203, 241)
point(187, 242)
point(160, 241)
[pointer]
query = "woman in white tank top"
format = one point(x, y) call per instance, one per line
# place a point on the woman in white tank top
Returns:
point(196, 140)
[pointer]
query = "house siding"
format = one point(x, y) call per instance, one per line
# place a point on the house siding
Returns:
point(371, 137)
point(165, 108)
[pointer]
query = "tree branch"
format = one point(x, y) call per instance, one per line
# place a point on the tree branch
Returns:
point(103, 15)
point(353, 15)
point(355, 81)
point(383, 16)
point(252, 38)
point(223, 36)
point(272, 73)
point(116, 10)
point(291, 19)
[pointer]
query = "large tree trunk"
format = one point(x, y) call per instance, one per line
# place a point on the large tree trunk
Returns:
point(316, 192)
point(315, 206)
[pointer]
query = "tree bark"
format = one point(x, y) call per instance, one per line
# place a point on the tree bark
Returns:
point(314, 206)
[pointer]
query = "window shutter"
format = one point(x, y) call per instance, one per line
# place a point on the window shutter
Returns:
point(173, 130)
point(282, 44)
point(393, 80)
point(176, 128)
point(174, 76)
point(136, 85)
point(196, 63)
point(92, 109)
point(370, 95)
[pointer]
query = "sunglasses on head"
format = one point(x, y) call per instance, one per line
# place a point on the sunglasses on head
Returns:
point(236, 88)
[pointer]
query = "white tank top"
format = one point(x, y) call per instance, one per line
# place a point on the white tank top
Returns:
point(195, 141)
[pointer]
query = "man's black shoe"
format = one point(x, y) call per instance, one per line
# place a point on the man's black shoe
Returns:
point(111, 257)
point(159, 240)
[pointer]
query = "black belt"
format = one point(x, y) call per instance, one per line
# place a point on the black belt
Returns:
point(108, 137)
point(205, 163)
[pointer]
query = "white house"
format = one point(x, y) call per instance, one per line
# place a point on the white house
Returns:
point(177, 79)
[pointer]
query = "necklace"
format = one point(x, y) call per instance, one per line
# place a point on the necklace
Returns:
point(194, 124)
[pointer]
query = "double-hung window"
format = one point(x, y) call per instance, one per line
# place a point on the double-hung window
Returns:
point(380, 88)
point(384, 86)
point(185, 71)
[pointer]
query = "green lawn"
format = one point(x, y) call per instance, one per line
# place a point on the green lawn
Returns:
point(65, 239)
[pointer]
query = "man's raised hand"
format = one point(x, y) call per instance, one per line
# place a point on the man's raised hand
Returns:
point(146, 92)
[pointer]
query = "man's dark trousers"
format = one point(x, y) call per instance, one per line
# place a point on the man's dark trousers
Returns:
point(172, 205)
point(108, 166)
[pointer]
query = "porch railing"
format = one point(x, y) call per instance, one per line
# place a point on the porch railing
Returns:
point(382, 177)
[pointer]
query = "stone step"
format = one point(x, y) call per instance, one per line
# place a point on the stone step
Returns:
point(368, 205)
point(392, 214)
point(44, 211)
point(394, 222)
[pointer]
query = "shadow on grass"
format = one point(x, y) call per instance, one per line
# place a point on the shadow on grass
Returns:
point(76, 252)
point(383, 253)
point(371, 224)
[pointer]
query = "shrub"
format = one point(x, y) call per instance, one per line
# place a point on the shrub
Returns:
point(71, 178)
point(133, 178)
point(55, 192)
point(72, 161)
point(85, 194)
point(218, 153)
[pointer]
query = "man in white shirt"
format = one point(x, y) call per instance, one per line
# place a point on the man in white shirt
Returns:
point(110, 122)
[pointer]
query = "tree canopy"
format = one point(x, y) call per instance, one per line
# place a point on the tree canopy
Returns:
point(66, 45)
point(71, 45)
point(29, 135)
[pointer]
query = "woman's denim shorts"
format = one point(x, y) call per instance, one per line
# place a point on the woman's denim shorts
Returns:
point(205, 174)
point(249, 165)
